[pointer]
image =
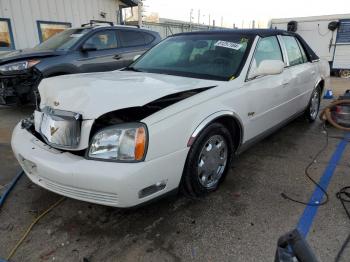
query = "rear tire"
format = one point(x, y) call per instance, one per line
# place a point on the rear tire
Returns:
point(208, 161)
point(314, 105)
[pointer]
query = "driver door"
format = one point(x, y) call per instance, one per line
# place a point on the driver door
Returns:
point(106, 55)
point(266, 95)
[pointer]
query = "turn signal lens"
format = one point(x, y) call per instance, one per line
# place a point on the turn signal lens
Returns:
point(140, 144)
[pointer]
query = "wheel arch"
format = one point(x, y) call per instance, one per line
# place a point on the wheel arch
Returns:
point(229, 119)
point(321, 84)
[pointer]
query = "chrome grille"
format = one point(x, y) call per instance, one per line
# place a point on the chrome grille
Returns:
point(60, 128)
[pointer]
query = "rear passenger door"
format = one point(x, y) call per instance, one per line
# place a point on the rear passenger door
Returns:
point(132, 43)
point(303, 74)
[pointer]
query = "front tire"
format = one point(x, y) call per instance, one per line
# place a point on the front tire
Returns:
point(208, 161)
point(314, 105)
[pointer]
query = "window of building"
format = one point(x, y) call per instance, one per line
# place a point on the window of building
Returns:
point(48, 29)
point(6, 37)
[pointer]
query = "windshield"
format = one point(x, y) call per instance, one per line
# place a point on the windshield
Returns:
point(63, 40)
point(208, 56)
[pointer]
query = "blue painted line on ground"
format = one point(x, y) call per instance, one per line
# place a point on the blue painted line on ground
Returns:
point(310, 212)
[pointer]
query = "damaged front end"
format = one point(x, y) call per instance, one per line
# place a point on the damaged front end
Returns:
point(135, 114)
point(69, 131)
point(19, 87)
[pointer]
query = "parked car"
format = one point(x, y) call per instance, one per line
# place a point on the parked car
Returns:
point(92, 48)
point(172, 120)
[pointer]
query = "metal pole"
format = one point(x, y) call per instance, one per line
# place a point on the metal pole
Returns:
point(191, 13)
point(139, 13)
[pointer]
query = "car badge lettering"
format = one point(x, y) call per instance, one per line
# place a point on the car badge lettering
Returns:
point(53, 130)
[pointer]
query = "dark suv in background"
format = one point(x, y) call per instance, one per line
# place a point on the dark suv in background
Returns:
point(91, 48)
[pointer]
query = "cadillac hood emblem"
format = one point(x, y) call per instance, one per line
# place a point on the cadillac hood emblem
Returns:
point(56, 103)
point(53, 130)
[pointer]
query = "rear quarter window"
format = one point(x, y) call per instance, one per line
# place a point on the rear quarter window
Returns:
point(148, 38)
point(303, 54)
point(130, 38)
point(293, 51)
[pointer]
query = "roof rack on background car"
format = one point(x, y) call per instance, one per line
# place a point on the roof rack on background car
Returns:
point(102, 23)
point(96, 22)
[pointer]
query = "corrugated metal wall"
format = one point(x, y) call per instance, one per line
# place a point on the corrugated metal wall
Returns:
point(25, 13)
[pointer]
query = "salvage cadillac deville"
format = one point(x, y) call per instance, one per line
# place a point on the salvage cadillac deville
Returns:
point(174, 119)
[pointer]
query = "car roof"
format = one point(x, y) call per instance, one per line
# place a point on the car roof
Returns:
point(116, 27)
point(250, 32)
point(253, 33)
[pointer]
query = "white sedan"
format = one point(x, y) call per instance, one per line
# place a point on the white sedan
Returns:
point(172, 120)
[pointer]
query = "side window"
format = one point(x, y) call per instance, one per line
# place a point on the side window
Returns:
point(293, 51)
point(6, 37)
point(267, 48)
point(148, 38)
point(130, 38)
point(104, 40)
point(303, 54)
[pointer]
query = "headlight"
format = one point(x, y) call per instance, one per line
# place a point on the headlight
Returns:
point(125, 142)
point(18, 66)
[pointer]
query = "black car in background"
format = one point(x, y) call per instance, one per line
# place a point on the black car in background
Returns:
point(92, 48)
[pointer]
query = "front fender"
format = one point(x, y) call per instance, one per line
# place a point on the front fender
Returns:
point(174, 133)
point(211, 118)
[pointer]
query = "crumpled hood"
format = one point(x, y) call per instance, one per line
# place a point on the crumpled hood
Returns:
point(95, 94)
point(16, 55)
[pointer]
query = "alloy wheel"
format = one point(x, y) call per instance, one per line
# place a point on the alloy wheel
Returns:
point(212, 161)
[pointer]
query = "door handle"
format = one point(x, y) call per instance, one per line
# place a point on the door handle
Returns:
point(117, 57)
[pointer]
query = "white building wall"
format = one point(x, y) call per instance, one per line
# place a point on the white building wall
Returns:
point(24, 15)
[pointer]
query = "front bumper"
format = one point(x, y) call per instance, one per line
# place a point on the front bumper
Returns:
point(106, 183)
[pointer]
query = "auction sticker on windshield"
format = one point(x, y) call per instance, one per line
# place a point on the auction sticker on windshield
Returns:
point(230, 45)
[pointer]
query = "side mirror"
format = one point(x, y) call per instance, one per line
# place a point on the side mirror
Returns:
point(136, 57)
point(268, 67)
point(88, 47)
